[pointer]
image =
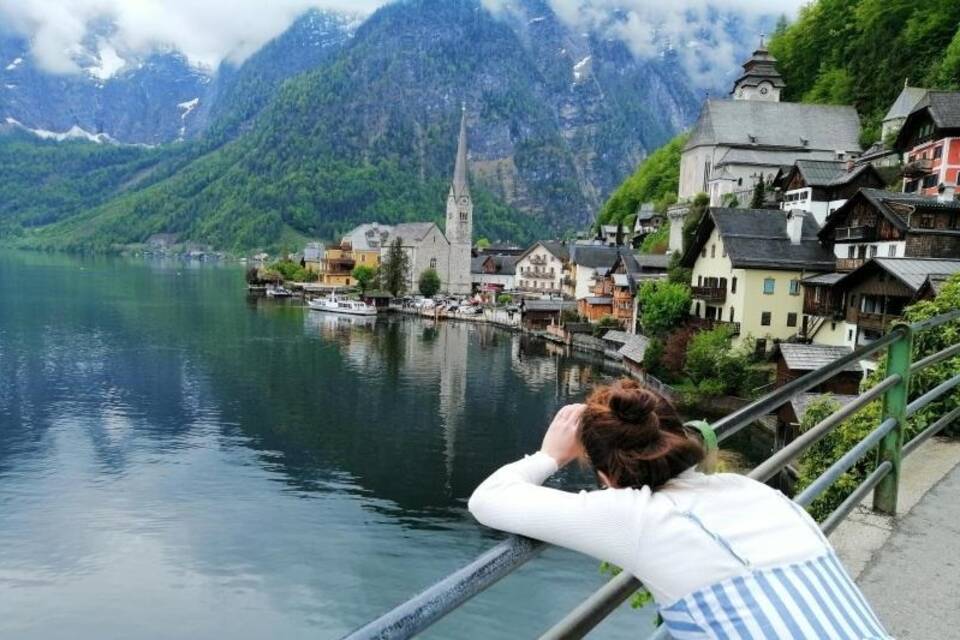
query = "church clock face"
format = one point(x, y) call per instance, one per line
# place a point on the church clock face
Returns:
point(763, 91)
point(464, 200)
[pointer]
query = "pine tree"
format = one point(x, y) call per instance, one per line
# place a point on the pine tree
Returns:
point(759, 194)
point(393, 271)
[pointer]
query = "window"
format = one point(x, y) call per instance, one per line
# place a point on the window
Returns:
point(853, 300)
point(433, 263)
point(768, 286)
point(731, 314)
point(794, 287)
point(699, 281)
point(929, 181)
point(851, 252)
point(937, 152)
point(765, 319)
point(703, 254)
point(696, 309)
point(761, 347)
point(873, 251)
point(911, 186)
point(791, 319)
point(723, 251)
point(892, 251)
point(926, 221)
point(713, 251)
point(850, 335)
point(733, 286)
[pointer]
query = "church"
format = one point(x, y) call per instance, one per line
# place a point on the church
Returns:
point(447, 251)
point(754, 134)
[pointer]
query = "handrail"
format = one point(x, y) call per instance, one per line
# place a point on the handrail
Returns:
point(413, 616)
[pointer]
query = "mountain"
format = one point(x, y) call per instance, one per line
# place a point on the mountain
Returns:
point(367, 131)
point(159, 97)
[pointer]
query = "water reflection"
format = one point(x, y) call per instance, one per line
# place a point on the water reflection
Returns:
point(179, 460)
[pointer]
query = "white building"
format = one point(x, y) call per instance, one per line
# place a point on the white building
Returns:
point(820, 187)
point(736, 142)
point(540, 269)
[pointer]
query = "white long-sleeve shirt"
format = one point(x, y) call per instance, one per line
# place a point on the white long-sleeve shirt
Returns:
point(647, 533)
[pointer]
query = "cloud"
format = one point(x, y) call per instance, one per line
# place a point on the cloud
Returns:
point(705, 34)
point(206, 31)
point(209, 31)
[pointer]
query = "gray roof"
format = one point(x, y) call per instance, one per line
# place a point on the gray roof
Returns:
point(622, 280)
point(646, 211)
point(829, 173)
point(905, 103)
point(802, 401)
point(506, 265)
point(758, 123)
point(757, 238)
point(824, 278)
point(370, 236)
point(599, 300)
point(476, 264)
point(762, 157)
point(913, 271)
point(594, 255)
point(559, 249)
point(944, 107)
point(548, 305)
point(412, 232)
point(807, 357)
point(616, 336)
point(650, 261)
point(635, 348)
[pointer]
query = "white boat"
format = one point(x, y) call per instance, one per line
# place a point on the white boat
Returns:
point(278, 291)
point(335, 304)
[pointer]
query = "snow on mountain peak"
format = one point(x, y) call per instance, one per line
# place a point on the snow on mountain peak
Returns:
point(109, 61)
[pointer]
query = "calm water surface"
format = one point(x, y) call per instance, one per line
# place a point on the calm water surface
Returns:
point(178, 460)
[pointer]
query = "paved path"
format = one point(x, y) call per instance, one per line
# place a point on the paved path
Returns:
point(913, 580)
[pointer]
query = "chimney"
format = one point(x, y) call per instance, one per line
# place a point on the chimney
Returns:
point(849, 165)
point(795, 225)
point(946, 192)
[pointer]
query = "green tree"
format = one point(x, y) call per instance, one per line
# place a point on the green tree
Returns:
point(504, 298)
point(655, 180)
point(429, 283)
point(482, 243)
point(365, 275)
point(759, 194)
point(663, 305)
point(395, 269)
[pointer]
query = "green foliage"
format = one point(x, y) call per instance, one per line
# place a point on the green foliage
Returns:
point(824, 453)
point(759, 194)
point(394, 269)
point(604, 324)
point(714, 367)
point(639, 599)
point(658, 241)
point(292, 271)
point(365, 275)
point(860, 52)
point(504, 299)
point(655, 180)
point(429, 283)
point(663, 305)
point(482, 243)
point(570, 315)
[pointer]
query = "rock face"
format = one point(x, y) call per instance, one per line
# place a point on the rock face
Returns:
point(334, 123)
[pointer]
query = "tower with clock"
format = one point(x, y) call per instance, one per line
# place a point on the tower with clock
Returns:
point(760, 79)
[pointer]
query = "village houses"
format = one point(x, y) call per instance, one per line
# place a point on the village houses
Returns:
point(540, 269)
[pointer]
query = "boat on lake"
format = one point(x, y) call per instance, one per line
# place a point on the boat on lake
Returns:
point(336, 304)
point(278, 291)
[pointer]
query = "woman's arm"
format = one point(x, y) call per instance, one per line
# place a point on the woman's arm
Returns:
point(602, 524)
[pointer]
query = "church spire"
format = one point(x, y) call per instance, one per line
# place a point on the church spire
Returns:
point(460, 186)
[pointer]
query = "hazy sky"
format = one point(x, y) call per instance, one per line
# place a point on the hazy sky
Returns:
point(208, 31)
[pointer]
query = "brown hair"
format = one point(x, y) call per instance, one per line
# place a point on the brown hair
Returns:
point(635, 437)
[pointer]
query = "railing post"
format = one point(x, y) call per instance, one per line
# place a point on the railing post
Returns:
point(899, 358)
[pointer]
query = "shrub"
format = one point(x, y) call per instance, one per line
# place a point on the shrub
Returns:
point(663, 305)
point(429, 283)
point(504, 298)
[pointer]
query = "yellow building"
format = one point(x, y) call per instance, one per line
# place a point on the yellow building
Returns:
point(747, 266)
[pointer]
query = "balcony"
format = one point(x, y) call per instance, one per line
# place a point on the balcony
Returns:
point(866, 234)
point(823, 308)
point(709, 294)
point(705, 324)
point(849, 264)
point(875, 321)
point(542, 275)
point(918, 168)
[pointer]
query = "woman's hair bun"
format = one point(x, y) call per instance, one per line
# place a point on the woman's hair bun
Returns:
point(632, 403)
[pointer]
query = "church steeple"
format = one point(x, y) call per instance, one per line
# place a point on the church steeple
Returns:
point(460, 186)
point(760, 79)
point(459, 227)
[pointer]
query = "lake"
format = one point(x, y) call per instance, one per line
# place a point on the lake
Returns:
point(181, 460)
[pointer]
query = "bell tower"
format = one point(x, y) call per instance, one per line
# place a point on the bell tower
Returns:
point(760, 79)
point(459, 223)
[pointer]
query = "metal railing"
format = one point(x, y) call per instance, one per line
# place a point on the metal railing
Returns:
point(418, 613)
